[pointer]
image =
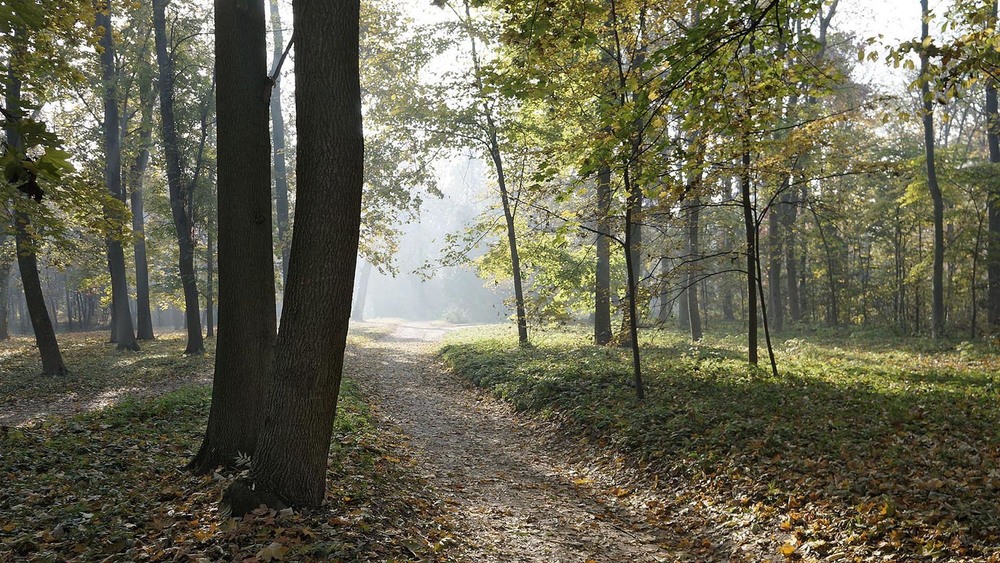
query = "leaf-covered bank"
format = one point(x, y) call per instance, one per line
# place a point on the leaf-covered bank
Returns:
point(859, 449)
point(110, 485)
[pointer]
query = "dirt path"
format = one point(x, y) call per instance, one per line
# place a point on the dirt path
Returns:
point(512, 499)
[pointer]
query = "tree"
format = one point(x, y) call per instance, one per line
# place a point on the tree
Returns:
point(246, 270)
point(937, 276)
point(121, 318)
point(291, 456)
point(179, 196)
point(278, 141)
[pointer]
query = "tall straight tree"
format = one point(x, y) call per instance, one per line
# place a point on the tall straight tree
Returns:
point(993, 205)
point(278, 140)
point(602, 279)
point(291, 456)
point(178, 197)
point(25, 244)
point(246, 269)
point(121, 323)
point(937, 273)
point(136, 183)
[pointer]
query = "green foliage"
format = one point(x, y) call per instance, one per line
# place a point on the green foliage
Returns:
point(852, 426)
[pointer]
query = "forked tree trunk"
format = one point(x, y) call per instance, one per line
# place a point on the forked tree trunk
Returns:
point(178, 197)
point(124, 335)
point(291, 457)
point(247, 321)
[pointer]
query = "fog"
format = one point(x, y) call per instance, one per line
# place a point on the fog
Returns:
point(422, 288)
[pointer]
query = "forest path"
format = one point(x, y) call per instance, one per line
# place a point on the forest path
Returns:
point(512, 497)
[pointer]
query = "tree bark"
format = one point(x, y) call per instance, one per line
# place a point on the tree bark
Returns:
point(694, 254)
point(937, 276)
point(124, 335)
point(209, 285)
point(602, 279)
point(775, 250)
point(4, 290)
point(993, 205)
point(137, 180)
point(179, 200)
point(278, 142)
point(27, 260)
point(245, 342)
point(750, 225)
point(291, 458)
point(361, 293)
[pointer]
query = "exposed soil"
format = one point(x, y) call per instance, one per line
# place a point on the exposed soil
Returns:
point(513, 498)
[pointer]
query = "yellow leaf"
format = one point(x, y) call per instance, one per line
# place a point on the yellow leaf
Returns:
point(787, 550)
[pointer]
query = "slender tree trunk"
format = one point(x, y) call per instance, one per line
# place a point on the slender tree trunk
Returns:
point(508, 213)
point(791, 260)
point(209, 285)
point(694, 253)
point(602, 279)
point(245, 343)
point(137, 180)
point(178, 197)
point(4, 290)
point(750, 225)
point(775, 250)
point(291, 458)
point(278, 142)
point(361, 294)
point(124, 335)
point(632, 277)
point(937, 276)
point(993, 205)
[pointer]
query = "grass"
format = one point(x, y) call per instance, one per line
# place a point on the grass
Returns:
point(861, 447)
point(110, 484)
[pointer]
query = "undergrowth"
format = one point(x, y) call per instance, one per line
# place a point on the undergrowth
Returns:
point(858, 448)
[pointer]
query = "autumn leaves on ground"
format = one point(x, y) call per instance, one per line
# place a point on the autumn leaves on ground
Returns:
point(862, 449)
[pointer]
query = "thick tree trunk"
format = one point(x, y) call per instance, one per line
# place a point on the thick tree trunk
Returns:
point(602, 279)
point(278, 143)
point(937, 275)
point(244, 347)
point(137, 179)
point(123, 335)
point(178, 197)
point(27, 261)
point(291, 457)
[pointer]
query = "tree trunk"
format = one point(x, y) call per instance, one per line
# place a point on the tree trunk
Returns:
point(278, 143)
point(602, 279)
point(27, 260)
point(750, 225)
point(631, 269)
point(993, 206)
point(209, 285)
point(244, 347)
point(775, 250)
point(361, 295)
point(791, 260)
point(137, 179)
point(291, 458)
point(694, 254)
point(4, 290)
point(178, 197)
point(123, 335)
point(937, 276)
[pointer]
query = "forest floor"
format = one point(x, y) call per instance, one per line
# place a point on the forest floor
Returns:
point(512, 496)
